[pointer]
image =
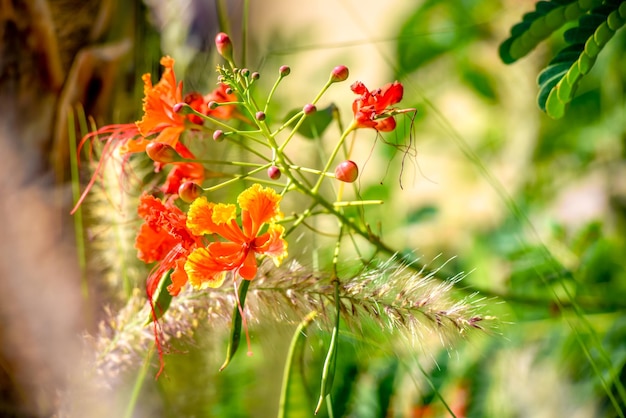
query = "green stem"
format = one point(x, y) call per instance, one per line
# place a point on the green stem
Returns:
point(332, 156)
point(141, 377)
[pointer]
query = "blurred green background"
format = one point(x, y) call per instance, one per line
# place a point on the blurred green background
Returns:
point(531, 208)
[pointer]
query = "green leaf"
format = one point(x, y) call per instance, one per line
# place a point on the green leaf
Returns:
point(161, 298)
point(316, 123)
point(295, 398)
point(538, 25)
point(235, 329)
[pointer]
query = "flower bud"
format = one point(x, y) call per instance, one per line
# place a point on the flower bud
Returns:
point(178, 107)
point(218, 135)
point(161, 153)
point(309, 108)
point(260, 116)
point(224, 46)
point(284, 70)
point(245, 72)
point(189, 191)
point(347, 171)
point(273, 172)
point(255, 76)
point(339, 73)
point(213, 105)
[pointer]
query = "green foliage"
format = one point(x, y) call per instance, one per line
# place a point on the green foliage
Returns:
point(594, 23)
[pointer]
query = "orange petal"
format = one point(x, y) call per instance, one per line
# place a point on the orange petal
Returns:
point(202, 270)
point(259, 205)
point(272, 243)
point(249, 267)
point(179, 277)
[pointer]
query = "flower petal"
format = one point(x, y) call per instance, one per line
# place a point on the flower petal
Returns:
point(272, 243)
point(259, 205)
point(202, 270)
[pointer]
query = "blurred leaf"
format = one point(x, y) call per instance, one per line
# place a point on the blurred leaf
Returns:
point(162, 300)
point(316, 123)
point(421, 214)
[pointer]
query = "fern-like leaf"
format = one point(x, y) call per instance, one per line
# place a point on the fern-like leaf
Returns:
point(538, 25)
point(558, 82)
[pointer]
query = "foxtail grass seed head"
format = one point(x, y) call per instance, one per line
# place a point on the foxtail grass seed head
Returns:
point(224, 46)
point(218, 135)
point(309, 108)
point(273, 172)
point(284, 70)
point(347, 171)
point(189, 191)
point(339, 73)
point(162, 153)
point(260, 116)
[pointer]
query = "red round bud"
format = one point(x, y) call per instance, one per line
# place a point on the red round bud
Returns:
point(224, 45)
point(161, 153)
point(189, 191)
point(273, 172)
point(260, 116)
point(284, 70)
point(218, 135)
point(255, 76)
point(339, 73)
point(309, 108)
point(347, 171)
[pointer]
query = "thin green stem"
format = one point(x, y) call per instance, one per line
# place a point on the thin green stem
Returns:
point(141, 377)
point(236, 179)
point(332, 156)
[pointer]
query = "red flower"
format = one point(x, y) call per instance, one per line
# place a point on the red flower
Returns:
point(164, 237)
point(182, 173)
point(373, 108)
point(219, 95)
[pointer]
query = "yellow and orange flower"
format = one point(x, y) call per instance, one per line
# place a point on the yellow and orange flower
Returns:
point(207, 266)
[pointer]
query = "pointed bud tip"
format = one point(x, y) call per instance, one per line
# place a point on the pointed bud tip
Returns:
point(284, 70)
point(339, 73)
point(224, 45)
point(218, 135)
point(161, 153)
point(189, 191)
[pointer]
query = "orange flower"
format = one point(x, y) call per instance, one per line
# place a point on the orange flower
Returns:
point(219, 95)
point(372, 109)
point(207, 266)
point(158, 103)
point(164, 237)
point(181, 173)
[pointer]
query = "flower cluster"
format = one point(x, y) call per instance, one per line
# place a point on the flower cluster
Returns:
point(191, 239)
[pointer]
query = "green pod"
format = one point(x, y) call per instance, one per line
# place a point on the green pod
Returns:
point(235, 329)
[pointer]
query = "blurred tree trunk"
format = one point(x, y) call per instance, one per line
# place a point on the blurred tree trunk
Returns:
point(49, 61)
